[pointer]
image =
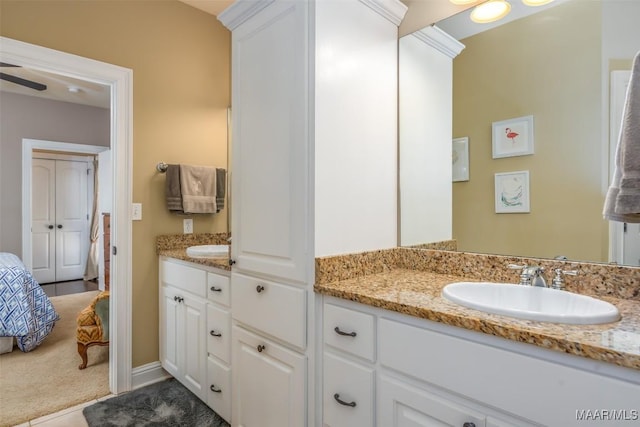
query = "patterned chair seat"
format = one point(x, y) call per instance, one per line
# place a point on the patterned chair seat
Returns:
point(93, 325)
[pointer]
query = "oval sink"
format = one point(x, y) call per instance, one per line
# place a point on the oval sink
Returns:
point(208, 251)
point(531, 303)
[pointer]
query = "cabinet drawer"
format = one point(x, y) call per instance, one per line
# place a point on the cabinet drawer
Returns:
point(184, 277)
point(339, 326)
point(218, 289)
point(352, 384)
point(277, 309)
point(219, 333)
point(219, 388)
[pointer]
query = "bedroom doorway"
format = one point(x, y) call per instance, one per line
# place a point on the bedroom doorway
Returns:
point(120, 82)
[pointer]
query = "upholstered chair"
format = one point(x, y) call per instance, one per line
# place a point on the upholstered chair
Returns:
point(93, 325)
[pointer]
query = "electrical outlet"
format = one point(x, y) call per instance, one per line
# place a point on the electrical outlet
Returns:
point(136, 211)
point(187, 225)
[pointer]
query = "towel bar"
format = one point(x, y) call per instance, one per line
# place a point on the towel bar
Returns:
point(162, 167)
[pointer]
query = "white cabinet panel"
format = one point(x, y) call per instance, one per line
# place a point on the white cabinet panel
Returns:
point(184, 277)
point(219, 333)
point(350, 331)
point(169, 325)
point(270, 224)
point(348, 393)
point(219, 388)
point(268, 381)
point(218, 289)
point(277, 309)
point(402, 405)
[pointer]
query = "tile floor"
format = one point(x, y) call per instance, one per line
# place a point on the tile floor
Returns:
point(69, 417)
point(70, 287)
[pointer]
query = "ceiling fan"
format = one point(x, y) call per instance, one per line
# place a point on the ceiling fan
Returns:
point(19, 80)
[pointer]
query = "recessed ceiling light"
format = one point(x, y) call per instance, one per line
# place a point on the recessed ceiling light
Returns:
point(490, 11)
point(73, 89)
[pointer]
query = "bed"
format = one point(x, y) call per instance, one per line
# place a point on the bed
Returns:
point(26, 312)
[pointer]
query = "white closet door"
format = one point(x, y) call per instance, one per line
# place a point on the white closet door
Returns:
point(60, 219)
point(43, 231)
point(72, 239)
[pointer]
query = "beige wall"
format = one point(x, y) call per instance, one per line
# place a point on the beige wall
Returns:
point(547, 66)
point(180, 57)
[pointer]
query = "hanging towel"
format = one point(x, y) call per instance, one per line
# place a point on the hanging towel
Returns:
point(221, 188)
point(172, 191)
point(623, 198)
point(198, 187)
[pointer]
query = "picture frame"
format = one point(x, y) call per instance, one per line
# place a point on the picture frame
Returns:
point(512, 192)
point(460, 159)
point(512, 137)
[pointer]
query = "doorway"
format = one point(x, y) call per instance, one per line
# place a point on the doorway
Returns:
point(120, 82)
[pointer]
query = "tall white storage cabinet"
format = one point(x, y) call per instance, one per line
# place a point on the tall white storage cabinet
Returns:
point(314, 97)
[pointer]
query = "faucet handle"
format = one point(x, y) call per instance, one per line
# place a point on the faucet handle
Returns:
point(558, 281)
point(517, 267)
point(525, 274)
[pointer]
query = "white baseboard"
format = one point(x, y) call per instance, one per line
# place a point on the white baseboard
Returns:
point(147, 374)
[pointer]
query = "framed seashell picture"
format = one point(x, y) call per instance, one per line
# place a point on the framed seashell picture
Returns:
point(512, 192)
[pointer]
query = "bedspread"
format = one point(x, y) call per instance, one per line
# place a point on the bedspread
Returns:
point(25, 310)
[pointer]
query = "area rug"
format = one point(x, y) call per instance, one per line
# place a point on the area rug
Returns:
point(163, 404)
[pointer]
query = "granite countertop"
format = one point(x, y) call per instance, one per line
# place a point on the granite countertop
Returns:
point(418, 293)
point(181, 253)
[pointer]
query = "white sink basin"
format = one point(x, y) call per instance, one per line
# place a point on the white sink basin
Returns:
point(208, 251)
point(531, 303)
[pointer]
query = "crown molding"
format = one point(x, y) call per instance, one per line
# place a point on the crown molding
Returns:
point(393, 10)
point(438, 39)
point(240, 11)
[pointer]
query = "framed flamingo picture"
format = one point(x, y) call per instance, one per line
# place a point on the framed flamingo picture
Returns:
point(513, 137)
point(512, 192)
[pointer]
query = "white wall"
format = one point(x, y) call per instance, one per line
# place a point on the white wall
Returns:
point(426, 119)
point(29, 117)
point(355, 129)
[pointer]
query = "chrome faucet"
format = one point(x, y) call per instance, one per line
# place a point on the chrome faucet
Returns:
point(531, 275)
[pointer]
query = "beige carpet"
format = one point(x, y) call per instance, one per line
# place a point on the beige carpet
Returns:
point(47, 379)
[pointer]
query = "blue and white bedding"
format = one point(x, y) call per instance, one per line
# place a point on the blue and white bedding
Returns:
point(25, 310)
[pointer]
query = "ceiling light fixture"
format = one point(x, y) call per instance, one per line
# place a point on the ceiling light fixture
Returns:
point(536, 2)
point(490, 11)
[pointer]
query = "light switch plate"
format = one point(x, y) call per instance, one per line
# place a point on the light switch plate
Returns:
point(187, 225)
point(136, 211)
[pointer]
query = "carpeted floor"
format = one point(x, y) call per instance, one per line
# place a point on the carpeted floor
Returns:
point(47, 379)
point(163, 404)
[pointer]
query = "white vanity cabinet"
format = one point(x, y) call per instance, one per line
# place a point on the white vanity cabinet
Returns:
point(183, 324)
point(427, 373)
point(195, 330)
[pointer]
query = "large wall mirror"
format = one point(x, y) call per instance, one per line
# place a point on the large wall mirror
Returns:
point(556, 66)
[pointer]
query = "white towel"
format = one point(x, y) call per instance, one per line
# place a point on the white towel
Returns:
point(623, 198)
point(198, 188)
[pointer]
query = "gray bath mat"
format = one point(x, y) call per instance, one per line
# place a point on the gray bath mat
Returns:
point(163, 404)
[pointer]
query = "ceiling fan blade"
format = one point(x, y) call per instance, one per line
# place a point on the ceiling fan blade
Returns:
point(23, 82)
point(4, 64)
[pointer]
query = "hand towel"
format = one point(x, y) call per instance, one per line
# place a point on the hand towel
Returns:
point(172, 191)
point(221, 188)
point(198, 187)
point(623, 198)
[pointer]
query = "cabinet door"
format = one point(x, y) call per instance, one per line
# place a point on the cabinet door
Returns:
point(348, 393)
point(268, 382)
point(402, 405)
point(270, 225)
point(169, 326)
point(194, 344)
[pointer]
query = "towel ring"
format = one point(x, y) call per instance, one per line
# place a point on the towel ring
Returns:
point(162, 167)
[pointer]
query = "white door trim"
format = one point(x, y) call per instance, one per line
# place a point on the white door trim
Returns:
point(120, 81)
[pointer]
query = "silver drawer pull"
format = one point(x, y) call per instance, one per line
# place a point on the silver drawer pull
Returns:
point(261, 348)
point(342, 402)
point(339, 332)
point(259, 288)
point(214, 389)
point(215, 334)
point(214, 289)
